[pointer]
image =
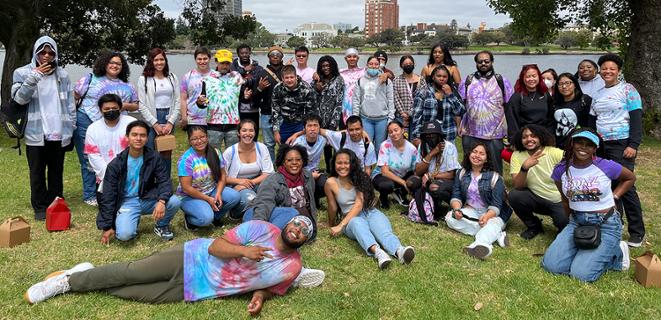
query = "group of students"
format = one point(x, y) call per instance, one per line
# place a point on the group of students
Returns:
point(376, 132)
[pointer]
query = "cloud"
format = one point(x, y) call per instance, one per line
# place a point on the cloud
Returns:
point(281, 16)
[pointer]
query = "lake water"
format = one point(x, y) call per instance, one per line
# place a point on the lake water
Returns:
point(507, 65)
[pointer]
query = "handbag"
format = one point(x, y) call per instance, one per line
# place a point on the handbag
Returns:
point(589, 236)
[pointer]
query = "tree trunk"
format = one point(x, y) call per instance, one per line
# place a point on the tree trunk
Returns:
point(643, 58)
point(18, 36)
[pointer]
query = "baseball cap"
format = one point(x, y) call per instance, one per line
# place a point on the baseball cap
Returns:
point(223, 56)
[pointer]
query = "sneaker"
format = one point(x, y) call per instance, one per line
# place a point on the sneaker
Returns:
point(626, 261)
point(40, 216)
point(91, 202)
point(503, 240)
point(635, 241)
point(479, 251)
point(217, 223)
point(405, 254)
point(48, 288)
point(77, 268)
point(400, 199)
point(382, 258)
point(189, 226)
point(309, 278)
point(164, 232)
point(531, 233)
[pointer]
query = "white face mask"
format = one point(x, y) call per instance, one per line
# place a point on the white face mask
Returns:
point(382, 65)
point(549, 83)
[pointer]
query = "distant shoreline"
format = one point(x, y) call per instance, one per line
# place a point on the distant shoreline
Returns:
point(417, 52)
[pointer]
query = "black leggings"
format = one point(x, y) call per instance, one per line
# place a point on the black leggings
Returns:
point(386, 186)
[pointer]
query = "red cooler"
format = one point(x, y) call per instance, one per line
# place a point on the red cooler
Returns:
point(58, 215)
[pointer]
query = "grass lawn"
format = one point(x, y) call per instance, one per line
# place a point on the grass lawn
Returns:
point(442, 282)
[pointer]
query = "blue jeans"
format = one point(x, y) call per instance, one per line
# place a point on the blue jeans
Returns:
point(128, 216)
point(198, 212)
point(373, 228)
point(162, 118)
point(246, 196)
point(267, 132)
point(562, 257)
point(89, 178)
point(216, 138)
point(280, 216)
point(376, 130)
point(287, 129)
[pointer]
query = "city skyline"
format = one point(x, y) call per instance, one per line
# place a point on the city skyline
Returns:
point(277, 17)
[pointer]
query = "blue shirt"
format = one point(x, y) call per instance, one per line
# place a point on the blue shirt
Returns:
point(133, 166)
point(314, 152)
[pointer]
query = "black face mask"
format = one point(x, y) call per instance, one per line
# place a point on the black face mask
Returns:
point(408, 68)
point(432, 141)
point(111, 115)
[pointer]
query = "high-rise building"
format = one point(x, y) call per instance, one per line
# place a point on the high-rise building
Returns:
point(380, 15)
point(238, 7)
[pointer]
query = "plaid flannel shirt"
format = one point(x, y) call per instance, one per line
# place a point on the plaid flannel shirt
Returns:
point(425, 109)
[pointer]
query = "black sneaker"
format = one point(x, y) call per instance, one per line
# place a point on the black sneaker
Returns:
point(401, 199)
point(531, 233)
point(40, 216)
point(164, 232)
point(189, 226)
point(218, 223)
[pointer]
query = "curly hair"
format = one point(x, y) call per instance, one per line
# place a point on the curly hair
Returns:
point(149, 69)
point(466, 163)
point(334, 70)
point(359, 179)
point(100, 64)
point(546, 138)
point(285, 148)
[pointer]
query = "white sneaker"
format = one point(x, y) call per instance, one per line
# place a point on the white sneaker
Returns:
point(309, 278)
point(48, 288)
point(626, 261)
point(405, 254)
point(382, 258)
point(77, 268)
point(503, 240)
point(91, 202)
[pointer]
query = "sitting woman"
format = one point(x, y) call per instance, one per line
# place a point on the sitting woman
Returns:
point(584, 181)
point(248, 163)
point(204, 197)
point(349, 188)
point(478, 207)
point(396, 162)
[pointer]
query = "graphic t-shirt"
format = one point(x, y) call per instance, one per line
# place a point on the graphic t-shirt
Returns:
point(133, 166)
point(538, 178)
point(335, 140)
point(191, 84)
point(103, 143)
point(448, 161)
point(97, 88)
point(314, 152)
point(588, 189)
point(612, 106)
point(399, 162)
point(193, 165)
point(208, 277)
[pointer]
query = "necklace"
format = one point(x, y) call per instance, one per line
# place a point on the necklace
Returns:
point(533, 96)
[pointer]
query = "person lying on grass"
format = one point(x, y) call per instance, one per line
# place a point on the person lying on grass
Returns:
point(254, 256)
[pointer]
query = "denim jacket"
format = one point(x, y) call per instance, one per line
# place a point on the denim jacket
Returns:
point(494, 197)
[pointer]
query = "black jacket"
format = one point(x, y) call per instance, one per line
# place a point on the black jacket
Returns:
point(262, 99)
point(155, 184)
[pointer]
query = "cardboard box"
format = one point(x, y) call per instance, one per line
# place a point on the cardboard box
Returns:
point(165, 143)
point(648, 270)
point(14, 231)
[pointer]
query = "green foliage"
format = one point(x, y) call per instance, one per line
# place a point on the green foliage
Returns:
point(260, 38)
point(451, 40)
point(322, 40)
point(295, 42)
point(482, 38)
point(536, 21)
point(209, 25)
point(566, 40)
point(419, 38)
point(180, 27)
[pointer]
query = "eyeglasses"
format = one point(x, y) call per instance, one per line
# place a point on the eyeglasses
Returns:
point(115, 63)
point(564, 84)
point(303, 226)
point(301, 56)
point(198, 139)
point(484, 61)
point(47, 53)
point(275, 55)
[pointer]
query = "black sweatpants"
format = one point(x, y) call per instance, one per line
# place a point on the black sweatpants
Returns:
point(46, 164)
point(525, 202)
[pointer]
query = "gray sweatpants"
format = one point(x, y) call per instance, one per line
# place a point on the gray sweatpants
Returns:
point(158, 278)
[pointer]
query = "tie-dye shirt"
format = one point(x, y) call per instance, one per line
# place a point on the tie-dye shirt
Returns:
point(350, 77)
point(612, 106)
point(208, 277)
point(399, 162)
point(191, 85)
point(103, 143)
point(485, 108)
point(133, 166)
point(97, 88)
point(193, 165)
point(223, 94)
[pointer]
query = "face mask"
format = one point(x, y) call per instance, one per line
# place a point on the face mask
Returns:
point(111, 115)
point(408, 68)
point(433, 141)
point(549, 83)
point(382, 65)
point(373, 72)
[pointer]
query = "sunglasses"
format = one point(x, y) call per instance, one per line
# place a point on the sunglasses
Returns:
point(47, 53)
point(275, 55)
point(298, 223)
point(483, 61)
point(301, 56)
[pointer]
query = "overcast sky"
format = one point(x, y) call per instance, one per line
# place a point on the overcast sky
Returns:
point(279, 16)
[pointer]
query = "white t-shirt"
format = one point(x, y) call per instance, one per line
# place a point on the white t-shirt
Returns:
point(163, 94)
point(399, 162)
point(335, 139)
point(305, 74)
point(449, 160)
point(314, 152)
point(103, 143)
point(588, 189)
point(49, 107)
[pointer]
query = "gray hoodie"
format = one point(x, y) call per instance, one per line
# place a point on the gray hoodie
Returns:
point(24, 91)
point(372, 99)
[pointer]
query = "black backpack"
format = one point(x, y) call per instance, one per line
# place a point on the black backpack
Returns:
point(14, 117)
point(499, 79)
point(343, 140)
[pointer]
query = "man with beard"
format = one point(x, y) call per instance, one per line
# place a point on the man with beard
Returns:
point(533, 189)
point(255, 255)
point(268, 79)
point(248, 69)
point(485, 94)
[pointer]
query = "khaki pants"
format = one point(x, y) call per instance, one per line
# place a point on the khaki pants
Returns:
point(158, 278)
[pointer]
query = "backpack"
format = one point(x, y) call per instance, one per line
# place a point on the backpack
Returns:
point(14, 118)
point(499, 79)
point(421, 202)
point(343, 140)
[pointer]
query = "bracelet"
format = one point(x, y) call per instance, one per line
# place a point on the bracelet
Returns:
point(425, 160)
point(524, 169)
